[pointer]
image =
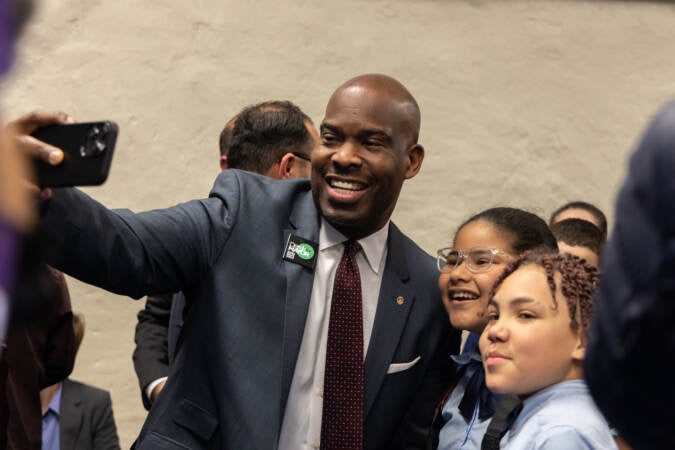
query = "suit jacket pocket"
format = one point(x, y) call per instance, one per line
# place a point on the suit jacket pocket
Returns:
point(400, 367)
point(195, 418)
point(156, 440)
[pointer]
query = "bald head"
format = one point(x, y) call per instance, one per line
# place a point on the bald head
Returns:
point(368, 148)
point(402, 101)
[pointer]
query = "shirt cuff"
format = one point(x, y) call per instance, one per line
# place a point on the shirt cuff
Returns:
point(151, 387)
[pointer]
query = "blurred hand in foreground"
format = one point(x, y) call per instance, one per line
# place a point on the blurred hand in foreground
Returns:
point(17, 148)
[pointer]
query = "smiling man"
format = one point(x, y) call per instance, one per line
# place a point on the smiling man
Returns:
point(298, 355)
point(369, 146)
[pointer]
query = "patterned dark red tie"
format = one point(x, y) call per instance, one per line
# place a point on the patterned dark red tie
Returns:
point(342, 422)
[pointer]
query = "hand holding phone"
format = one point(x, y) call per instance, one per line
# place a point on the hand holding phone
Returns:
point(87, 153)
point(17, 151)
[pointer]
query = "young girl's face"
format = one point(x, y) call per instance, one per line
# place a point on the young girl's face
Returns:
point(465, 292)
point(528, 343)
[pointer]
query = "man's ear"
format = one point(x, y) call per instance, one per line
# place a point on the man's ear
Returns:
point(415, 157)
point(223, 162)
point(291, 166)
point(286, 166)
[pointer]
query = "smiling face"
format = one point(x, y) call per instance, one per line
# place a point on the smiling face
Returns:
point(464, 293)
point(528, 343)
point(367, 150)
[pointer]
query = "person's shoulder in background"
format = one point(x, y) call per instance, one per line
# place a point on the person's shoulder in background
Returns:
point(86, 417)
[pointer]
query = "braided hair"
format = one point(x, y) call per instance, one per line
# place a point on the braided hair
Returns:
point(578, 282)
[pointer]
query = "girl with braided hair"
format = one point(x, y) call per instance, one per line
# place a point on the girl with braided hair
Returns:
point(533, 346)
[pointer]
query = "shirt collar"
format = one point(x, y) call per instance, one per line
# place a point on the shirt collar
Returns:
point(373, 245)
point(562, 387)
point(470, 352)
point(534, 402)
point(467, 358)
point(55, 404)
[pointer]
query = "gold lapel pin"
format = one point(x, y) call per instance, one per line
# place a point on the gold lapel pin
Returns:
point(400, 300)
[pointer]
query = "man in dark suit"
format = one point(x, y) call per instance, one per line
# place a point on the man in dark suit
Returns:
point(257, 261)
point(273, 138)
point(77, 416)
point(86, 418)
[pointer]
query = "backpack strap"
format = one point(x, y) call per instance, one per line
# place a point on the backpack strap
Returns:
point(500, 423)
point(437, 421)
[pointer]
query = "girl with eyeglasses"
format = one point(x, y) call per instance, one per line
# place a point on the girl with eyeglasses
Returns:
point(482, 247)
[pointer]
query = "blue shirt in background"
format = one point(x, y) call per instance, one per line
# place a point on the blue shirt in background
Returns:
point(50, 423)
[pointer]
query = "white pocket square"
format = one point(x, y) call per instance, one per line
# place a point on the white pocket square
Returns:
point(400, 367)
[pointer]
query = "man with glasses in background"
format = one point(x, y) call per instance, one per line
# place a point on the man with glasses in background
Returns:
point(273, 138)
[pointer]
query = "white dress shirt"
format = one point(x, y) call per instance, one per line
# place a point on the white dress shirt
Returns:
point(301, 427)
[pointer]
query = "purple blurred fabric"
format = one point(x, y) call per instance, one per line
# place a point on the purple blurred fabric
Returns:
point(8, 250)
point(8, 238)
point(8, 253)
point(6, 37)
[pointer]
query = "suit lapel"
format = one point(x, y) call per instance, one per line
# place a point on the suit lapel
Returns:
point(393, 307)
point(390, 318)
point(70, 415)
point(303, 222)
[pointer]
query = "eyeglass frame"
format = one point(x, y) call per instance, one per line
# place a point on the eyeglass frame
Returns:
point(440, 259)
point(301, 156)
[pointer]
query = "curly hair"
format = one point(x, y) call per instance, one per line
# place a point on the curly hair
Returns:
point(578, 282)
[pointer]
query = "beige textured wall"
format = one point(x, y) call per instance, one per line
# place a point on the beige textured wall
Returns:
point(528, 104)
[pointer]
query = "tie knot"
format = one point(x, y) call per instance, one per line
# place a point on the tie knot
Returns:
point(351, 248)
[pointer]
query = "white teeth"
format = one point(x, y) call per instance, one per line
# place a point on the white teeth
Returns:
point(463, 296)
point(348, 185)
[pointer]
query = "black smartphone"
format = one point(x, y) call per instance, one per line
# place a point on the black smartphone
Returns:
point(87, 153)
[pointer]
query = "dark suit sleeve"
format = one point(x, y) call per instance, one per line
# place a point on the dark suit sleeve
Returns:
point(104, 431)
point(629, 362)
point(151, 356)
point(136, 254)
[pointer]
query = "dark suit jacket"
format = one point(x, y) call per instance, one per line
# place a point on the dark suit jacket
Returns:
point(157, 331)
point(230, 380)
point(86, 419)
point(631, 354)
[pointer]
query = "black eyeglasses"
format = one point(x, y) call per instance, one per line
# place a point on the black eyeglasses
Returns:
point(302, 156)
